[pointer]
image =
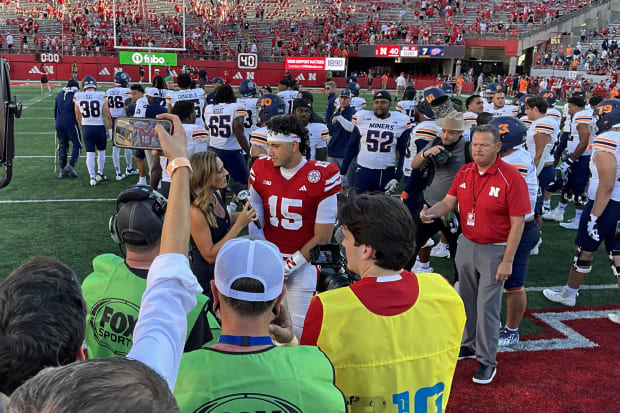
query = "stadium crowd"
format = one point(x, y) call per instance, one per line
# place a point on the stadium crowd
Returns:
point(164, 329)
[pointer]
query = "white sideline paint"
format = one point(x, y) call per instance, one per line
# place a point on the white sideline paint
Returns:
point(572, 338)
point(583, 287)
point(36, 133)
point(42, 201)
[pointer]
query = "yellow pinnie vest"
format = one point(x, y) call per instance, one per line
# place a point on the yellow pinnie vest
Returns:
point(394, 364)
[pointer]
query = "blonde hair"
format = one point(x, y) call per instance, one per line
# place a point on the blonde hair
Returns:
point(204, 166)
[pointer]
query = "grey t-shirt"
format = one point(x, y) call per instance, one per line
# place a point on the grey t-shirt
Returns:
point(442, 181)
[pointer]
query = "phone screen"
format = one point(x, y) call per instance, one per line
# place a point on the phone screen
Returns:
point(138, 133)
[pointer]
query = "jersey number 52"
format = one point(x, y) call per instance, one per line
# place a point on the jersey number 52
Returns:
point(377, 141)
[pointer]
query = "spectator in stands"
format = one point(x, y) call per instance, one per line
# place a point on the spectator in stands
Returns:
point(42, 320)
point(248, 290)
point(385, 352)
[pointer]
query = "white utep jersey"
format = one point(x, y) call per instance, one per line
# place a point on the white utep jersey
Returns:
point(141, 105)
point(523, 161)
point(196, 96)
point(607, 142)
point(219, 123)
point(319, 136)
point(197, 138)
point(406, 107)
point(566, 117)
point(288, 96)
point(506, 110)
point(90, 105)
point(358, 103)
point(471, 120)
point(526, 121)
point(168, 95)
point(555, 114)
point(546, 125)
point(116, 98)
point(251, 116)
point(259, 137)
point(487, 107)
point(583, 117)
point(426, 131)
point(378, 138)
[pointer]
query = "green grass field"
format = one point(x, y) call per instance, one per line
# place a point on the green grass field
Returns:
point(75, 230)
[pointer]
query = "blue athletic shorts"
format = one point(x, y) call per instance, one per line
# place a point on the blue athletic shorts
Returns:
point(579, 175)
point(531, 235)
point(94, 137)
point(372, 180)
point(606, 228)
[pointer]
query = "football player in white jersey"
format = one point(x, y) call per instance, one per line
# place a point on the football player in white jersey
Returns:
point(499, 107)
point(358, 103)
point(196, 96)
point(424, 132)
point(318, 132)
point(116, 98)
point(379, 137)
point(89, 106)
point(575, 163)
point(286, 92)
point(550, 97)
point(407, 105)
point(600, 216)
point(224, 122)
point(247, 88)
point(474, 106)
point(541, 136)
point(512, 133)
point(268, 106)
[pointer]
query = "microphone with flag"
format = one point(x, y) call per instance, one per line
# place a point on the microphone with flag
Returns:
point(243, 197)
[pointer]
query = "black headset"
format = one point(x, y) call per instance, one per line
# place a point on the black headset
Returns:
point(136, 193)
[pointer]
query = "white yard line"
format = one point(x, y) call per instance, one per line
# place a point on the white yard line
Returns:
point(43, 201)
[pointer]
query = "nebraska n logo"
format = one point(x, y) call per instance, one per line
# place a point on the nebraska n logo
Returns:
point(494, 192)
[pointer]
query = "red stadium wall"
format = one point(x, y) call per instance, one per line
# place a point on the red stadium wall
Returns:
point(24, 67)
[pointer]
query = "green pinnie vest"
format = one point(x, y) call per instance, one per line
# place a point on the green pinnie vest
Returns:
point(285, 379)
point(113, 295)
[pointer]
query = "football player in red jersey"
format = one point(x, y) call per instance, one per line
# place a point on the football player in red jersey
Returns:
point(296, 202)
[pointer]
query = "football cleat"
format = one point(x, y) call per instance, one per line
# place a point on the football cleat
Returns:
point(508, 338)
point(93, 181)
point(419, 267)
point(131, 171)
point(572, 224)
point(614, 317)
point(101, 178)
point(71, 171)
point(554, 215)
point(562, 297)
point(440, 251)
point(120, 177)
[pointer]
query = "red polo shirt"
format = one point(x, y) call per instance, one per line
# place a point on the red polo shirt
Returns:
point(494, 196)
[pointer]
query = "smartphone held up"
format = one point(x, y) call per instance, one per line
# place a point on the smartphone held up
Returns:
point(139, 133)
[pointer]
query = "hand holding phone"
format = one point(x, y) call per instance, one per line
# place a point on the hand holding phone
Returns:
point(140, 133)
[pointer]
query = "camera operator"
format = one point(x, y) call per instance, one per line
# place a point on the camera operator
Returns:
point(442, 158)
point(393, 330)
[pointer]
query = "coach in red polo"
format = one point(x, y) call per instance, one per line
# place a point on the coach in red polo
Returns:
point(493, 201)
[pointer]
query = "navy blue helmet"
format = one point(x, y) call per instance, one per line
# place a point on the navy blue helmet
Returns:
point(511, 130)
point(607, 114)
point(576, 91)
point(89, 82)
point(494, 88)
point(354, 87)
point(122, 79)
point(521, 103)
point(247, 88)
point(549, 96)
point(268, 106)
point(431, 93)
point(446, 87)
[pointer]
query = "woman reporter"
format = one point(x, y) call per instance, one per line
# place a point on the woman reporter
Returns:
point(211, 224)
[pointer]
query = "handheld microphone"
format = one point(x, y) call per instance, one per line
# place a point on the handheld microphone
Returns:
point(243, 196)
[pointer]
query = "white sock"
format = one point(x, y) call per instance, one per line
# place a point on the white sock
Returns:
point(116, 159)
point(561, 206)
point(90, 163)
point(547, 203)
point(578, 213)
point(571, 291)
point(128, 158)
point(142, 180)
point(100, 161)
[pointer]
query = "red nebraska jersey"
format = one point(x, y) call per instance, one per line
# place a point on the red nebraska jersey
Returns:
point(290, 205)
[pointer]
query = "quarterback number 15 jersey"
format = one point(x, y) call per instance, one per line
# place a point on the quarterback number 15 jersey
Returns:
point(290, 205)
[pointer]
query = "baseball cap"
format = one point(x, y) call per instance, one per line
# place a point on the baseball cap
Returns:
point(152, 92)
point(157, 70)
point(383, 94)
point(302, 103)
point(345, 93)
point(137, 223)
point(246, 258)
point(168, 79)
point(217, 80)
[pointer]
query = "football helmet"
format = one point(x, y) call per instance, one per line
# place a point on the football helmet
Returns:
point(431, 93)
point(89, 82)
point(576, 91)
point(607, 114)
point(268, 106)
point(446, 87)
point(247, 88)
point(122, 79)
point(549, 96)
point(511, 130)
point(354, 87)
point(494, 88)
point(521, 103)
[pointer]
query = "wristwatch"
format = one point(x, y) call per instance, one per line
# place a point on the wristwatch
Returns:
point(178, 163)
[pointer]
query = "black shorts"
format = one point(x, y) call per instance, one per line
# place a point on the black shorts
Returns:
point(44, 79)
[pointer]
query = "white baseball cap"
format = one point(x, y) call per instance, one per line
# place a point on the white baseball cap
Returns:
point(246, 258)
point(153, 92)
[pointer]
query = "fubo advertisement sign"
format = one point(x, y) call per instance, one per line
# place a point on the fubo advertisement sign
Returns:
point(146, 58)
